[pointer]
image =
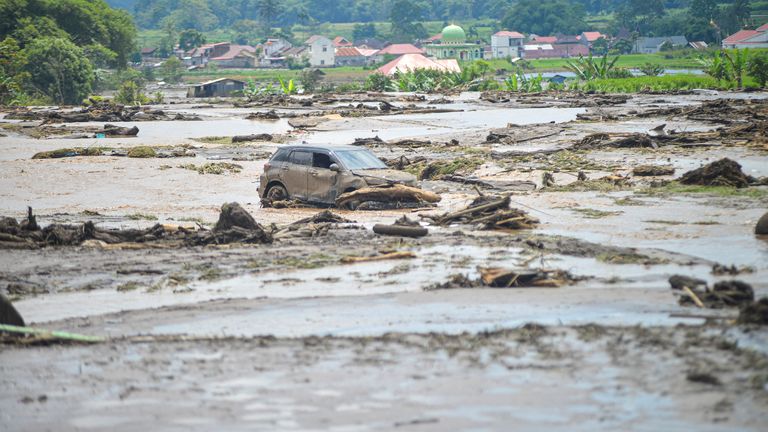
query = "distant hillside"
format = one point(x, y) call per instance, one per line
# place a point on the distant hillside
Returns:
point(128, 5)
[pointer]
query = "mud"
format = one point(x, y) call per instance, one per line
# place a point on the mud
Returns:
point(314, 331)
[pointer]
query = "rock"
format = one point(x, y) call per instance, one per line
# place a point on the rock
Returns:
point(762, 225)
point(233, 215)
point(8, 314)
point(723, 172)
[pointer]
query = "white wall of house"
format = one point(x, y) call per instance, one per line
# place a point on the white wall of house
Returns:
point(321, 52)
point(505, 46)
point(275, 46)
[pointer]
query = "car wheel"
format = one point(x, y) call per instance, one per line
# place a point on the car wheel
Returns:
point(277, 193)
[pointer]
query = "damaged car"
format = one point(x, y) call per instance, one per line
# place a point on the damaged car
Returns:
point(319, 174)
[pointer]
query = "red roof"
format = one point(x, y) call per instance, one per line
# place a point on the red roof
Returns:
point(741, 35)
point(400, 49)
point(236, 50)
point(339, 41)
point(558, 51)
point(763, 28)
point(593, 36)
point(348, 52)
point(411, 62)
point(545, 39)
point(512, 34)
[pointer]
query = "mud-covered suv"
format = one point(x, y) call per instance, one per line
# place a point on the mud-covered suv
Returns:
point(319, 174)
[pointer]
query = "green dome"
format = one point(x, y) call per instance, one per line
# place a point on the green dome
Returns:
point(454, 34)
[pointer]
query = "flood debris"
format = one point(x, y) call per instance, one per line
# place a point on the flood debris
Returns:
point(21, 335)
point(761, 227)
point(380, 257)
point(516, 134)
point(402, 162)
point(402, 227)
point(724, 172)
point(390, 193)
point(653, 170)
point(99, 112)
point(325, 216)
point(754, 313)
point(131, 152)
point(216, 168)
point(263, 115)
point(723, 294)
point(488, 212)
point(235, 225)
point(497, 277)
point(368, 141)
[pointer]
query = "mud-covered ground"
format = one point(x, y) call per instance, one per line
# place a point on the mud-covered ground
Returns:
point(287, 336)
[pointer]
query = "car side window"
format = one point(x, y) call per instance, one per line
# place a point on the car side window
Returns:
point(321, 160)
point(301, 158)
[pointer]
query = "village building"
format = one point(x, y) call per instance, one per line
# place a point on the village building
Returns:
point(652, 45)
point(340, 41)
point(400, 49)
point(411, 62)
point(453, 45)
point(320, 51)
point(221, 87)
point(588, 38)
point(273, 46)
point(561, 46)
point(372, 56)
point(507, 44)
point(370, 43)
point(237, 56)
point(350, 56)
point(150, 55)
point(757, 38)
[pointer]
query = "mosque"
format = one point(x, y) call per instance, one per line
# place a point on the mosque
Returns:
point(452, 44)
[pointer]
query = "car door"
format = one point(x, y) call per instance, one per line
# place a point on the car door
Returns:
point(321, 182)
point(295, 173)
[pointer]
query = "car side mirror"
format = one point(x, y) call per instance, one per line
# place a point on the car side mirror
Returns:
point(334, 167)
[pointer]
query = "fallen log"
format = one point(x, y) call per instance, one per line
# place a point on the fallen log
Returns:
point(383, 257)
point(255, 137)
point(388, 193)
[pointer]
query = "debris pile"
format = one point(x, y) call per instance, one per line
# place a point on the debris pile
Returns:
point(497, 277)
point(395, 194)
point(254, 137)
point(723, 172)
point(235, 225)
point(755, 313)
point(653, 170)
point(732, 293)
point(490, 213)
point(263, 115)
point(99, 112)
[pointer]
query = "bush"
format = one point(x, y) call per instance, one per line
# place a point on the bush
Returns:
point(651, 69)
point(757, 68)
point(378, 82)
point(131, 93)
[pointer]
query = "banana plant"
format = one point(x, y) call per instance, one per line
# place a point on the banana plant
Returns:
point(737, 60)
point(288, 87)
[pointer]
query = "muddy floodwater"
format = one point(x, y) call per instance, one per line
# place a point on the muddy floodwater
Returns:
point(306, 332)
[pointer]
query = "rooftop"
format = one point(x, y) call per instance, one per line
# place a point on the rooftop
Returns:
point(512, 34)
point(399, 49)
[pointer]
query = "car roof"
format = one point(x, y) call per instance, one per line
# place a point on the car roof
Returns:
point(323, 147)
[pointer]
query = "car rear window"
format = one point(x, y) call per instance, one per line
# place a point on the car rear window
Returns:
point(301, 158)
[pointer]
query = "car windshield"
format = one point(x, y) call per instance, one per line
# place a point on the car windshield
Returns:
point(359, 159)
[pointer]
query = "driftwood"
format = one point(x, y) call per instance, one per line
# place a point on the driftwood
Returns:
point(497, 277)
point(388, 193)
point(383, 257)
point(403, 227)
point(731, 293)
point(490, 213)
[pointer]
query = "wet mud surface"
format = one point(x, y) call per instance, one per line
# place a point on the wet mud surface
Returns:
point(290, 335)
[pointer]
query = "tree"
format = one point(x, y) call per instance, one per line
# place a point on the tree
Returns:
point(544, 18)
point(757, 68)
point(363, 31)
point(190, 38)
point(59, 69)
point(172, 69)
point(706, 9)
point(13, 76)
point(639, 15)
point(600, 46)
point(267, 12)
point(403, 17)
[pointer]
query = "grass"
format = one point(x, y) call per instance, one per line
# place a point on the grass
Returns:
point(591, 213)
point(660, 83)
point(214, 140)
point(217, 168)
point(141, 216)
point(675, 188)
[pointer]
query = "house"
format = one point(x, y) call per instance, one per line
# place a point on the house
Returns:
point(372, 56)
point(412, 62)
point(350, 56)
point(400, 49)
point(199, 56)
point(757, 38)
point(535, 40)
point(563, 39)
point(453, 45)
point(370, 43)
point(275, 45)
point(150, 55)
point(507, 44)
point(320, 52)
point(652, 45)
point(340, 41)
point(588, 38)
point(698, 45)
point(237, 56)
point(537, 51)
point(221, 87)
